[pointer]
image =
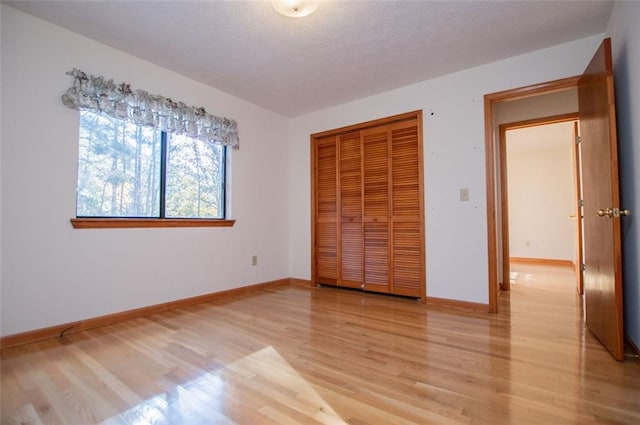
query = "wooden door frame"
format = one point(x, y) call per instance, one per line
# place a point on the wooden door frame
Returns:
point(492, 149)
point(505, 285)
point(577, 169)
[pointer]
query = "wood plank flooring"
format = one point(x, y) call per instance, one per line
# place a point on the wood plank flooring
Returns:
point(295, 355)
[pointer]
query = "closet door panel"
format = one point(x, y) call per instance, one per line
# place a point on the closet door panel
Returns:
point(351, 233)
point(376, 160)
point(407, 233)
point(326, 211)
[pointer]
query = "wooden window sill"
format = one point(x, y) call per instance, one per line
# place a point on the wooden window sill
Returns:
point(121, 223)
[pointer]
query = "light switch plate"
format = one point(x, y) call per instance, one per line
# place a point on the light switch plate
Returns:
point(464, 194)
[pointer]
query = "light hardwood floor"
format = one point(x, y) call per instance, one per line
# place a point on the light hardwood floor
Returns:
point(294, 355)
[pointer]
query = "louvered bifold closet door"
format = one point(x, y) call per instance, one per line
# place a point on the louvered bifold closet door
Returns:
point(367, 206)
point(407, 237)
point(376, 155)
point(351, 245)
point(326, 199)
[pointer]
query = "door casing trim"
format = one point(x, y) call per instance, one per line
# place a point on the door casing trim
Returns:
point(492, 149)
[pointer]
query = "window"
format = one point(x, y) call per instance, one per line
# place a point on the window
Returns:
point(130, 171)
point(147, 160)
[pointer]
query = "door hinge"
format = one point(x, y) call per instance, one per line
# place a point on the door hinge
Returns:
point(578, 140)
point(581, 202)
point(583, 267)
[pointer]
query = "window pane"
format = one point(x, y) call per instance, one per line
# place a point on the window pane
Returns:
point(118, 168)
point(195, 178)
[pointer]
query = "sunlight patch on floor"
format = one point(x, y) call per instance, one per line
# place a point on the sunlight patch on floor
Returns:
point(287, 387)
point(513, 277)
point(265, 371)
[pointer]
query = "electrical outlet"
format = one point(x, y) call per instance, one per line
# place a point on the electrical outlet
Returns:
point(464, 194)
point(254, 260)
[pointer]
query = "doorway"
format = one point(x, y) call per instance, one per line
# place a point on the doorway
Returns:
point(540, 189)
point(523, 105)
point(540, 193)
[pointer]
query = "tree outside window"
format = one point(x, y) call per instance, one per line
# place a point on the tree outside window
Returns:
point(131, 171)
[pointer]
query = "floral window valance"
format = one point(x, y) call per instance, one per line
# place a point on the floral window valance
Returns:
point(90, 93)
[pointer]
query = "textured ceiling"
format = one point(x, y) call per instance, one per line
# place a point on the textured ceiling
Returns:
point(345, 51)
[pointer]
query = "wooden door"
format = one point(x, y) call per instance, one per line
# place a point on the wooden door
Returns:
point(326, 211)
point(375, 157)
point(602, 254)
point(351, 232)
point(406, 237)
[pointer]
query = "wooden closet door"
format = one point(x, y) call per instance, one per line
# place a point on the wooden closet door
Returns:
point(367, 206)
point(407, 231)
point(326, 210)
point(351, 246)
point(375, 158)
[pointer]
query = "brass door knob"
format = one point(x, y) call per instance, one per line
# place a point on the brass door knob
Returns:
point(608, 212)
point(612, 212)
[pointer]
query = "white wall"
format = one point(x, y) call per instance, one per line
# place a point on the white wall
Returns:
point(453, 157)
point(52, 273)
point(541, 106)
point(541, 192)
point(624, 31)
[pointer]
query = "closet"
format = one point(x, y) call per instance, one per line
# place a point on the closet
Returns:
point(367, 227)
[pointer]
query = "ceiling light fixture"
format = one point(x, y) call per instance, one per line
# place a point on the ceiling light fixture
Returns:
point(295, 8)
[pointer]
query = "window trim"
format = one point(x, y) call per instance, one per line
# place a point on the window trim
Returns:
point(127, 223)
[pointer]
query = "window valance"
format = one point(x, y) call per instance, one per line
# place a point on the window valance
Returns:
point(98, 94)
